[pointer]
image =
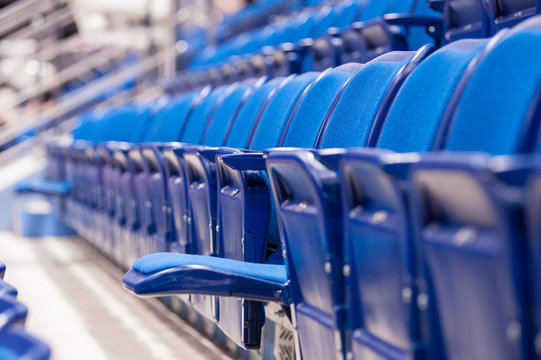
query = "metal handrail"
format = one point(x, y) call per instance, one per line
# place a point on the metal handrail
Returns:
point(22, 12)
point(79, 98)
point(74, 71)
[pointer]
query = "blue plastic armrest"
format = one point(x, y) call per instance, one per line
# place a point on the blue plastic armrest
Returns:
point(16, 341)
point(172, 273)
point(514, 170)
point(7, 289)
point(12, 311)
point(433, 24)
point(246, 161)
point(57, 188)
point(395, 164)
point(413, 20)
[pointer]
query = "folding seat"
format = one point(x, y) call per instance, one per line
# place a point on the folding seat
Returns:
point(217, 106)
point(291, 183)
point(469, 231)
point(131, 213)
point(213, 132)
point(83, 167)
point(374, 209)
point(507, 13)
point(243, 190)
point(18, 344)
point(386, 288)
point(118, 126)
point(464, 19)
point(284, 93)
point(12, 312)
point(375, 34)
point(7, 290)
point(323, 52)
point(283, 61)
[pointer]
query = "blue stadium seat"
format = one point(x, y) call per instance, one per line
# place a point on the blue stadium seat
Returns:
point(389, 207)
point(507, 13)
point(16, 343)
point(307, 212)
point(12, 312)
point(464, 19)
point(305, 109)
point(477, 226)
point(7, 289)
point(376, 34)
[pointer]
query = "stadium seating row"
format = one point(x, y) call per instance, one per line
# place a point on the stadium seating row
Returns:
point(15, 342)
point(390, 248)
point(288, 46)
point(354, 30)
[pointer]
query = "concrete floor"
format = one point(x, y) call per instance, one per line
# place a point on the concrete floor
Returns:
point(77, 305)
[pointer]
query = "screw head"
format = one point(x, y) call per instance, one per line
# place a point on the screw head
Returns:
point(328, 267)
point(346, 270)
point(465, 236)
point(514, 332)
point(407, 295)
point(379, 217)
point(422, 301)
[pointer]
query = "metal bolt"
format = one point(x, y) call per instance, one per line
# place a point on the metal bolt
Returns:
point(465, 236)
point(328, 267)
point(422, 301)
point(284, 255)
point(235, 192)
point(346, 270)
point(217, 228)
point(406, 295)
point(303, 205)
point(379, 217)
point(514, 332)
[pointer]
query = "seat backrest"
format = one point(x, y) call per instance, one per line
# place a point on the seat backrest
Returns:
point(301, 27)
point(195, 124)
point(170, 118)
point(507, 13)
point(376, 9)
point(302, 127)
point(415, 115)
point(350, 118)
point(323, 20)
point(471, 241)
point(270, 123)
point(494, 112)
point(239, 130)
point(346, 13)
point(465, 19)
point(126, 123)
point(84, 130)
point(224, 113)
